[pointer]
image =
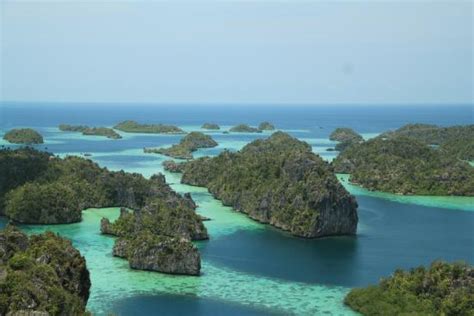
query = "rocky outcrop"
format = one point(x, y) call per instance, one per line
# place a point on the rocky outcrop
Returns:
point(23, 136)
point(172, 166)
point(41, 273)
point(159, 253)
point(266, 126)
point(279, 181)
point(188, 144)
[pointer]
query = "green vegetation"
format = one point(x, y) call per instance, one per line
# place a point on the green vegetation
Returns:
point(212, 126)
point(134, 127)
point(23, 136)
point(346, 138)
point(443, 289)
point(266, 126)
point(281, 182)
point(188, 144)
point(43, 273)
point(96, 131)
point(70, 185)
point(244, 128)
point(404, 165)
point(457, 141)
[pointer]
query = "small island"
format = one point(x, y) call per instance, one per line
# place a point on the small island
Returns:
point(41, 275)
point(456, 141)
point(345, 138)
point(404, 165)
point(210, 126)
point(26, 136)
point(281, 182)
point(442, 289)
point(188, 144)
point(244, 128)
point(134, 127)
point(95, 131)
point(266, 126)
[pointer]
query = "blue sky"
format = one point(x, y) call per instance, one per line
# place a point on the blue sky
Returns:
point(370, 52)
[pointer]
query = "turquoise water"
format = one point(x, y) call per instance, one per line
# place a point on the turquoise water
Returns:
point(249, 268)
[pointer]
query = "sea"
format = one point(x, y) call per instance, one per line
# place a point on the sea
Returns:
point(249, 268)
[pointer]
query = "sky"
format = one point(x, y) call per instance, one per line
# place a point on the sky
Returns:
point(272, 52)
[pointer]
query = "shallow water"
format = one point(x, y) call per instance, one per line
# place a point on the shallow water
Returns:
point(249, 268)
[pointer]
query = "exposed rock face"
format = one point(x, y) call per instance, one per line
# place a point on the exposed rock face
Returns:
point(171, 166)
point(281, 182)
point(159, 253)
point(41, 274)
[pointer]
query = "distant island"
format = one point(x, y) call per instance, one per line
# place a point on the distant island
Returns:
point(23, 136)
point(244, 128)
point(96, 131)
point(278, 181)
point(134, 127)
point(345, 138)
point(457, 141)
point(442, 289)
point(266, 126)
point(211, 126)
point(41, 275)
point(188, 144)
point(404, 165)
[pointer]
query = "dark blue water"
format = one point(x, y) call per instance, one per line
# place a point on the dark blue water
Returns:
point(391, 235)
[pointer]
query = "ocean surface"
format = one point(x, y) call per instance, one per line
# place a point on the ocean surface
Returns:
point(249, 268)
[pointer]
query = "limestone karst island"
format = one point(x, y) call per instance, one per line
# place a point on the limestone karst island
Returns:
point(236, 158)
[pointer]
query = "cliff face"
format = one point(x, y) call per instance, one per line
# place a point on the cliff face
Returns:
point(278, 181)
point(43, 274)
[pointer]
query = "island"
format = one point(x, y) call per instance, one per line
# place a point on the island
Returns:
point(188, 144)
point(26, 136)
point(404, 165)
point(244, 128)
point(41, 275)
point(457, 141)
point(266, 126)
point(281, 182)
point(134, 127)
point(211, 126)
point(442, 289)
point(345, 138)
point(95, 131)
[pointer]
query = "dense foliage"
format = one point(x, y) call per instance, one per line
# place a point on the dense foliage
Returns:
point(23, 136)
point(96, 131)
point(278, 181)
point(134, 127)
point(244, 128)
point(443, 289)
point(457, 141)
point(266, 126)
point(406, 166)
point(43, 273)
point(345, 137)
point(212, 126)
point(28, 176)
point(188, 144)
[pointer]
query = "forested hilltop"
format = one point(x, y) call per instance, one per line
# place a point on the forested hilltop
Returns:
point(457, 141)
point(279, 181)
point(134, 127)
point(86, 130)
point(40, 188)
point(404, 165)
point(23, 136)
point(188, 144)
point(442, 289)
point(41, 275)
